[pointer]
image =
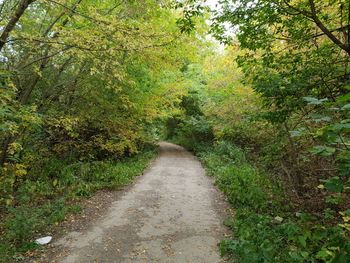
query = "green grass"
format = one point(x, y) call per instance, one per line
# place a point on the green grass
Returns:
point(44, 198)
point(257, 201)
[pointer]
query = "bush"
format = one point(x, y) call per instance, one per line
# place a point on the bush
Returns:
point(44, 197)
point(265, 228)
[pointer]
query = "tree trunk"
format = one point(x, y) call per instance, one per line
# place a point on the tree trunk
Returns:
point(25, 94)
point(22, 6)
point(325, 30)
point(5, 145)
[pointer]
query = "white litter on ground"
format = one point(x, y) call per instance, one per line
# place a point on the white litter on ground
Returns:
point(43, 240)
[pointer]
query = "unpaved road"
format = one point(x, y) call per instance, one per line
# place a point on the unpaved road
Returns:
point(173, 213)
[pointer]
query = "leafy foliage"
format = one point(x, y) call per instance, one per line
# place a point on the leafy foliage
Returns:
point(83, 85)
point(265, 230)
point(60, 183)
point(287, 106)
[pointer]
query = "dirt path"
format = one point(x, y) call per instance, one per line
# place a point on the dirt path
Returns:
point(173, 213)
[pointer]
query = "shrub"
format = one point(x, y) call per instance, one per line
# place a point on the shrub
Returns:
point(266, 227)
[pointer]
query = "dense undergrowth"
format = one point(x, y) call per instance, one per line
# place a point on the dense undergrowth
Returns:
point(291, 203)
point(271, 223)
point(86, 84)
point(265, 227)
point(42, 203)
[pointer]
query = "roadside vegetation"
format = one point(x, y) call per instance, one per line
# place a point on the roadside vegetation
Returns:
point(274, 220)
point(87, 87)
point(84, 87)
point(42, 204)
point(269, 118)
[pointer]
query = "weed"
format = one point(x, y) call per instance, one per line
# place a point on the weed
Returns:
point(47, 202)
point(258, 202)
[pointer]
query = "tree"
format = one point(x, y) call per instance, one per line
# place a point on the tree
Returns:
point(82, 80)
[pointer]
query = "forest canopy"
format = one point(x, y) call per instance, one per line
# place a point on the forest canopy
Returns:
point(90, 85)
point(280, 91)
point(83, 85)
point(82, 79)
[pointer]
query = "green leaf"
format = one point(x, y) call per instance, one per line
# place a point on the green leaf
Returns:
point(302, 240)
point(55, 182)
point(314, 101)
point(324, 254)
point(340, 127)
point(296, 133)
point(334, 199)
point(323, 150)
point(334, 184)
point(344, 98)
point(346, 107)
point(319, 118)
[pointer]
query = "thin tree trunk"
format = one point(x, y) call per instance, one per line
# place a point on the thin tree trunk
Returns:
point(297, 177)
point(5, 145)
point(22, 6)
point(24, 96)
